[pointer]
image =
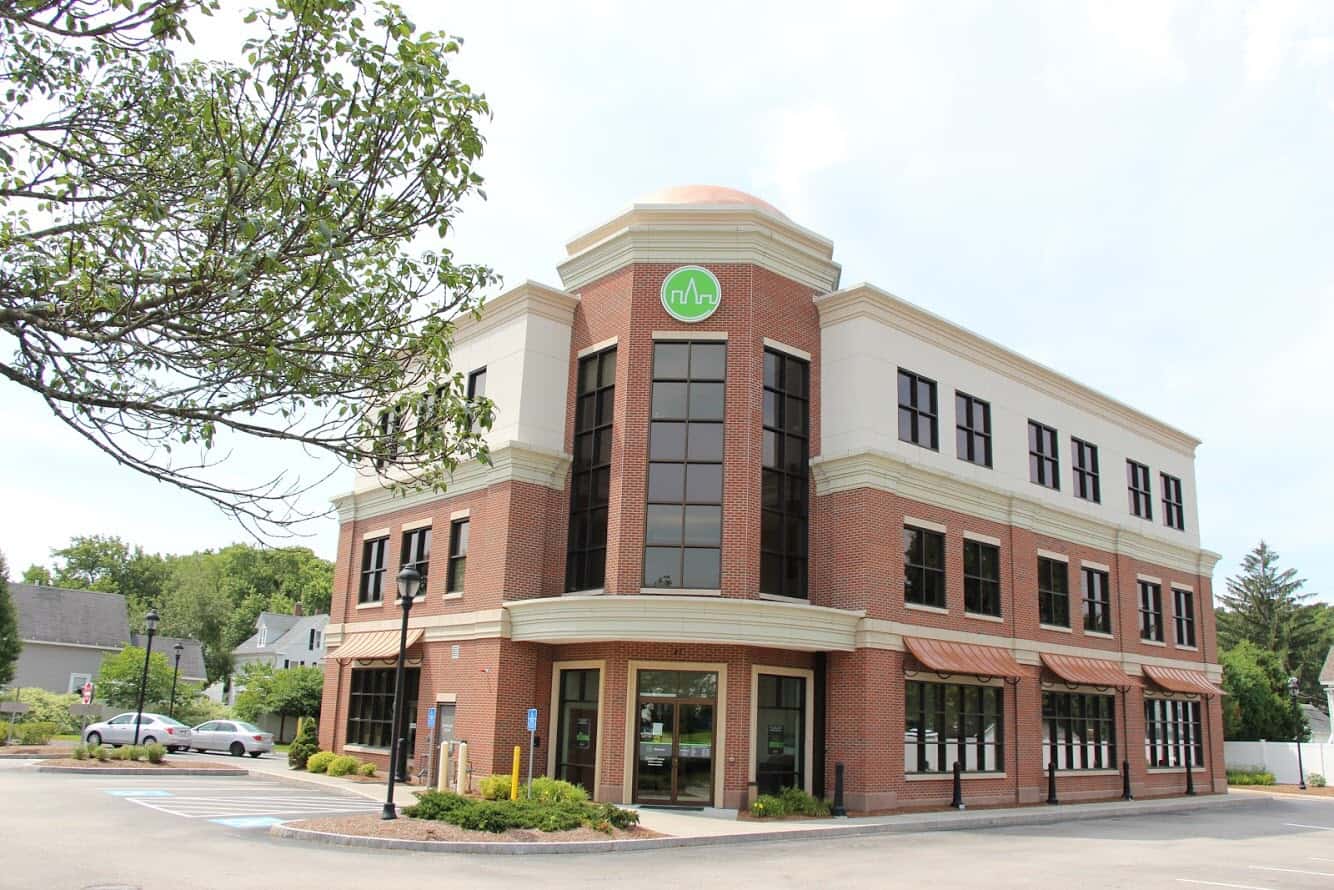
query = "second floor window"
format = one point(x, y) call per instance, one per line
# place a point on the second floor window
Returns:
point(386, 445)
point(1150, 611)
point(923, 567)
point(1183, 602)
point(972, 420)
point(1085, 465)
point(784, 483)
point(458, 555)
point(590, 476)
point(1141, 497)
point(1097, 601)
point(417, 553)
point(1173, 514)
point(476, 390)
point(1044, 466)
point(372, 570)
point(917, 410)
point(981, 578)
point(1053, 592)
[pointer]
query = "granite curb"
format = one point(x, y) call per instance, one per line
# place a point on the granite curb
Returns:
point(129, 771)
point(934, 822)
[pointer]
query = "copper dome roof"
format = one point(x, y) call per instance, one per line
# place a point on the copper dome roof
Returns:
point(708, 194)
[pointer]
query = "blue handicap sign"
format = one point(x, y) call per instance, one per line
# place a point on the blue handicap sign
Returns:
point(532, 719)
point(430, 718)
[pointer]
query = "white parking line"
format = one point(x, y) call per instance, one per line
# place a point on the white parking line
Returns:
point(1300, 825)
point(1221, 884)
point(1295, 871)
point(216, 807)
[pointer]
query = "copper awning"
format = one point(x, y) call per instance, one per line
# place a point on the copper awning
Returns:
point(962, 658)
point(1087, 671)
point(1178, 680)
point(372, 644)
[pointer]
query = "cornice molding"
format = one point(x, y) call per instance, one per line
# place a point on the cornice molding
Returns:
point(682, 619)
point(512, 462)
point(869, 301)
point(528, 298)
point(652, 233)
point(883, 471)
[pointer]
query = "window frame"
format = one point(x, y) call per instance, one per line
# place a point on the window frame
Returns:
point(1084, 734)
point(374, 575)
point(922, 568)
point(967, 436)
point(370, 712)
point(416, 543)
point(1141, 499)
point(915, 412)
point(1174, 513)
point(1042, 463)
point(1183, 618)
point(956, 736)
point(1049, 596)
point(983, 589)
point(460, 531)
point(1172, 726)
point(1094, 607)
point(1150, 598)
point(791, 550)
point(1087, 483)
point(586, 536)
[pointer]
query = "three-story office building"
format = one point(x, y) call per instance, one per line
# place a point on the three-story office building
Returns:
point(742, 525)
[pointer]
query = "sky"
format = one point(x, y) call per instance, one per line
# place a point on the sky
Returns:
point(1138, 195)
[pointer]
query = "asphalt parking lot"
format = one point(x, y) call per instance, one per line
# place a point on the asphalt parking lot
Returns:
point(83, 832)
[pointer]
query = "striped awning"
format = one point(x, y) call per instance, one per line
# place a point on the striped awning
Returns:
point(373, 644)
point(1087, 671)
point(962, 658)
point(1179, 680)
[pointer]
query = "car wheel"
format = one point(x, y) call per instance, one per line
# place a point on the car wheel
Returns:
point(256, 753)
point(200, 751)
point(148, 740)
point(237, 749)
point(94, 738)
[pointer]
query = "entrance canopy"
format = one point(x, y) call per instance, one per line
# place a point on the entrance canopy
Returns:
point(963, 658)
point(374, 644)
point(1087, 671)
point(1178, 680)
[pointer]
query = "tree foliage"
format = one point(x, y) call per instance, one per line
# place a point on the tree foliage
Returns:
point(1266, 606)
point(119, 677)
point(1257, 705)
point(9, 628)
point(35, 574)
point(290, 692)
point(194, 255)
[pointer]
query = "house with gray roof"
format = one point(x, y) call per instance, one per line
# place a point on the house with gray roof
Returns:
point(192, 655)
point(283, 641)
point(66, 634)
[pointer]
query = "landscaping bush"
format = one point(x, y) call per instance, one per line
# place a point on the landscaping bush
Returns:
point(342, 765)
point(1249, 775)
point(35, 733)
point(319, 761)
point(306, 743)
point(500, 815)
point(366, 769)
point(496, 787)
point(1316, 780)
point(80, 752)
point(101, 754)
point(436, 805)
point(48, 707)
point(155, 752)
point(548, 790)
point(789, 802)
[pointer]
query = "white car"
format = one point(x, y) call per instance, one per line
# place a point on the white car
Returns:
point(236, 737)
point(119, 730)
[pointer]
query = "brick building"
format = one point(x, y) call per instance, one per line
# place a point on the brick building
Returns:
point(743, 525)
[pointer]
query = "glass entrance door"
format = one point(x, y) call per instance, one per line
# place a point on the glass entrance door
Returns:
point(674, 758)
point(577, 728)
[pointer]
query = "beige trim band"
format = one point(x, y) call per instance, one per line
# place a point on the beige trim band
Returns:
point(720, 336)
point(1052, 554)
point(597, 347)
point(416, 524)
point(926, 524)
point(981, 539)
point(780, 346)
point(377, 533)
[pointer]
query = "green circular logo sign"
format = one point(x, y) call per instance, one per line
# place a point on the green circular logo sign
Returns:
point(691, 293)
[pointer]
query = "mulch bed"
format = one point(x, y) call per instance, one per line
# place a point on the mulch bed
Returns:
point(404, 828)
point(137, 764)
point(33, 750)
point(1311, 790)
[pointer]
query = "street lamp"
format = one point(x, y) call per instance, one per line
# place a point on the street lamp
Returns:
point(178, 648)
point(150, 622)
point(408, 582)
point(1294, 686)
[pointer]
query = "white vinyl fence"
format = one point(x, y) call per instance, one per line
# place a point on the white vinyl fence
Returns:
point(1280, 758)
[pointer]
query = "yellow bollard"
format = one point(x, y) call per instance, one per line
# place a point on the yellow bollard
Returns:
point(514, 775)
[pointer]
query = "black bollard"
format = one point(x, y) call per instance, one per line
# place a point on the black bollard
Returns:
point(1051, 782)
point(1125, 781)
point(957, 802)
point(1190, 776)
point(838, 809)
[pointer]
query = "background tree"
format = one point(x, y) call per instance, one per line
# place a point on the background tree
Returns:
point(1257, 704)
point(118, 679)
point(1265, 605)
point(9, 628)
point(194, 255)
point(35, 574)
point(290, 692)
point(306, 743)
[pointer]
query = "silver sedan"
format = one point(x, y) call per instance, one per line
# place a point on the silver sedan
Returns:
point(236, 737)
point(119, 730)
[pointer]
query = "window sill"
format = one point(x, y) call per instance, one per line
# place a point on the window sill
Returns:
point(779, 598)
point(1056, 627)
point(678, 591)
point(1071, 773)
point(1188, 648)
point(947, 777)
point(371, 605)
point(1099, 634)
point(454, 595)
point(1155, 770)
point(592, 591)
point(1152, 642)
point(364, 749)
point(981, 616)
point(918, 607)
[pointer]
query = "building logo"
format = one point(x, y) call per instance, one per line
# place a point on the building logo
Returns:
point(691, 293)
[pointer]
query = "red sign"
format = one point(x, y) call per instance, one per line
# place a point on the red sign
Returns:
point(87, 692)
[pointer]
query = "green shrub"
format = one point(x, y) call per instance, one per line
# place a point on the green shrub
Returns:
point(319, 761)
point(306, 743)
point(1316, 780)
point(35, 733)
point(496, 787)
point(609, 815)
point(80, 752)
point(366, 769)
point(342, 765)
point(155, 752)
point(101, 754)
point(48, 707)
point(500, 815)
point(1249, 775)
point(548, 790)
point(436, 805)
point(799, 803)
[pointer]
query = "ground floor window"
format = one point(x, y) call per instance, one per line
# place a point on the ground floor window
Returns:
point(780, 733)
point(947, 722)
point(1078, 730)
point(1171, 730)
point(370, 706)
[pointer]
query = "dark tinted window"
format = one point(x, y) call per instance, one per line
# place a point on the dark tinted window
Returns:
point(1085, 465)
point(972, 432)
point(595, 400)
point(1043, 464)
point(923, 567)
point(917, 410)
point(784, 480)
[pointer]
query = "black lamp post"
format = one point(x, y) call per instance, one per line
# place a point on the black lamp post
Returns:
point(408, 582)
point(1294, 686)
point(150, 622)
point(178, 648)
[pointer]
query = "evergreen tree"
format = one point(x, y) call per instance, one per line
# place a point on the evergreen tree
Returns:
point(9, 628)
point(306, 743)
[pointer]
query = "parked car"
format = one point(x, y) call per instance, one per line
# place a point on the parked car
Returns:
point(119, 730)
point(236, 737)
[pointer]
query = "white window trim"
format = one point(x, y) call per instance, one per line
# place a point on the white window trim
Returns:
point(378, 533)
point(1150, 578)
point(982, 616)
point(553, 716)
point(680, 591)
point(1057, 627)
point(416, 524)
point(925, 524)
point(981, 538)
point(1097, 566)
point(793, 351)
point(465, 513)
point(720, 336)
point(808, 719)
point(919, 607)
point(1053, 555)
point(596, 347)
